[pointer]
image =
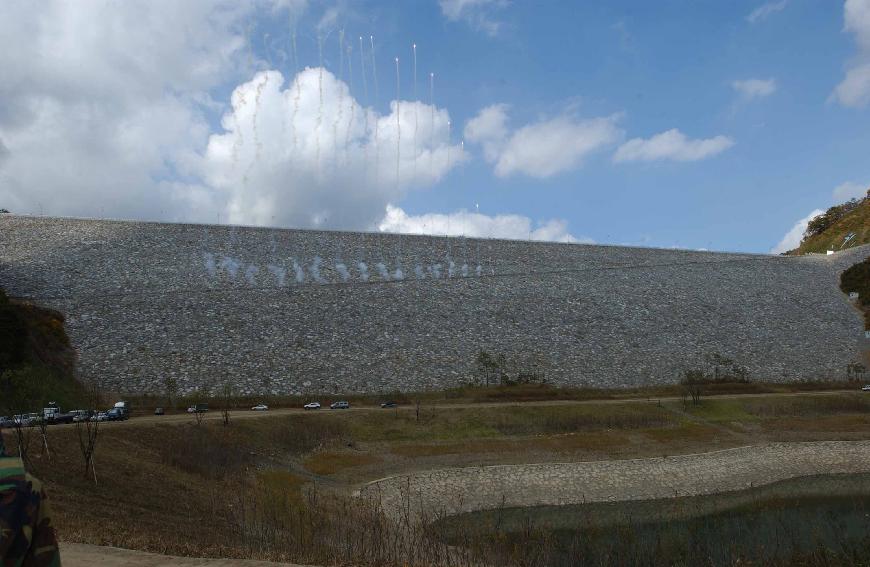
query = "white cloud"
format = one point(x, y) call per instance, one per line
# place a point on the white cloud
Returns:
point(476, 13)
point(850, 190)
point(671, 145)
point(95, 121)
point(750, 89)
point(541, 149)
point(309, 154)
point(766, 10)
point(476, 225)
point(100, 99)
point(793, 237)
point(854, 90)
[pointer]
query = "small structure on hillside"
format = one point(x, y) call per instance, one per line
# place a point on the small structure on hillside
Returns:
point(853, 295)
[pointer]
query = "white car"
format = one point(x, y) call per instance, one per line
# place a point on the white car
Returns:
point(865, 388)
point(312, 405)
point(260, 407)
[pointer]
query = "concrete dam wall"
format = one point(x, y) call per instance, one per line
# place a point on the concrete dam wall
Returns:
point(293, 311)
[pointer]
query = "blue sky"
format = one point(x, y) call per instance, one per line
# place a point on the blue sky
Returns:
point(763, 128)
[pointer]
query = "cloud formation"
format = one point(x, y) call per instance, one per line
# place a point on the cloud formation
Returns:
point(850, 190)
point(93, 116)
point(854, 90)
point(765, 11)
point(541, 149)
point(476, 13)
point(477, 225)
point(308, 154)
point(793, 237)
point(750, 89)
point(671, 145)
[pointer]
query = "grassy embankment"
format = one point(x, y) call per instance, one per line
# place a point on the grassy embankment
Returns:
point(279, 487)
point(36, 359)
point(829, 231)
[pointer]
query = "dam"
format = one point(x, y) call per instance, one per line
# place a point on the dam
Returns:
point(277, 311)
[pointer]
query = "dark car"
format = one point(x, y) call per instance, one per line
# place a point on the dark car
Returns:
point(389, 404)
point(116, 414)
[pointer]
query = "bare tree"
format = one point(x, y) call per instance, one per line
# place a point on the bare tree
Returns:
point(42, 423)
point(198, 415)
point(23, 432)
point(692, 383)
point(87, 429)
point(226, 398)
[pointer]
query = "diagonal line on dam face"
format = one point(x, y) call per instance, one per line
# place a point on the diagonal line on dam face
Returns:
point(298, 311)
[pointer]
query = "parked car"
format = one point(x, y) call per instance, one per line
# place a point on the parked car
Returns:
point(390, 404)
point(865, 388)
point(100, 416)
point(123, 407)
point(26, 419)
point(117, 414)
point(158, 411)
point(198, 408)
point(312, 405)
point(6, 422)
point(80, 415)
point(339, 405)
point(260, 407)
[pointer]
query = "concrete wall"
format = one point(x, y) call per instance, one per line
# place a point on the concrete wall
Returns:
point(148, 300)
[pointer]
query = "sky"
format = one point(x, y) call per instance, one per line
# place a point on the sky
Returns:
point(689, 124)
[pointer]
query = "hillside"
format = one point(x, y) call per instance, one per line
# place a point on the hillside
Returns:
point(830, 230)
point(36, 360)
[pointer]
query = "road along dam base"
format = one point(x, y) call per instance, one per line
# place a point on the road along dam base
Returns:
point(275, 311)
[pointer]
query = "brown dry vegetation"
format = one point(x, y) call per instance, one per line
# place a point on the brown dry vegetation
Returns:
point(279, 486)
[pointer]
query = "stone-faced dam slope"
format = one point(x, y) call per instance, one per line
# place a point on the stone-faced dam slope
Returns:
point(300, 311)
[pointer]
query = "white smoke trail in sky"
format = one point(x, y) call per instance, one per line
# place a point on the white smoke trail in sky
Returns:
point(362, 63)
point(298, 271)
point(338, 114)
point(280, 274)
point(350, 101)
point(319, 120)
point(231, 266)
point(375, 85)
point(449, 141)
point(363, 271)
point(298, 92)
point(416, 124)
point(208, 261)
point(432, 125)
point(398, 125)
point(315, 270)
point(251, 274)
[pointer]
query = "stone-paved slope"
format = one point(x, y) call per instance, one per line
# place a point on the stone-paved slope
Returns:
point(455, 491)
point(289, 311)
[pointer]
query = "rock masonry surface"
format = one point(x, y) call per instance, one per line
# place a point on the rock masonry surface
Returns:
point(297, 312)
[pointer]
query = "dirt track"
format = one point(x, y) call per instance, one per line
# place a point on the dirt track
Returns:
point(81, 555)
point(247, 414)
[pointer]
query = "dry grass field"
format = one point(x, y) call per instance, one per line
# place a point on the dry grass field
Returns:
point(228, 491)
